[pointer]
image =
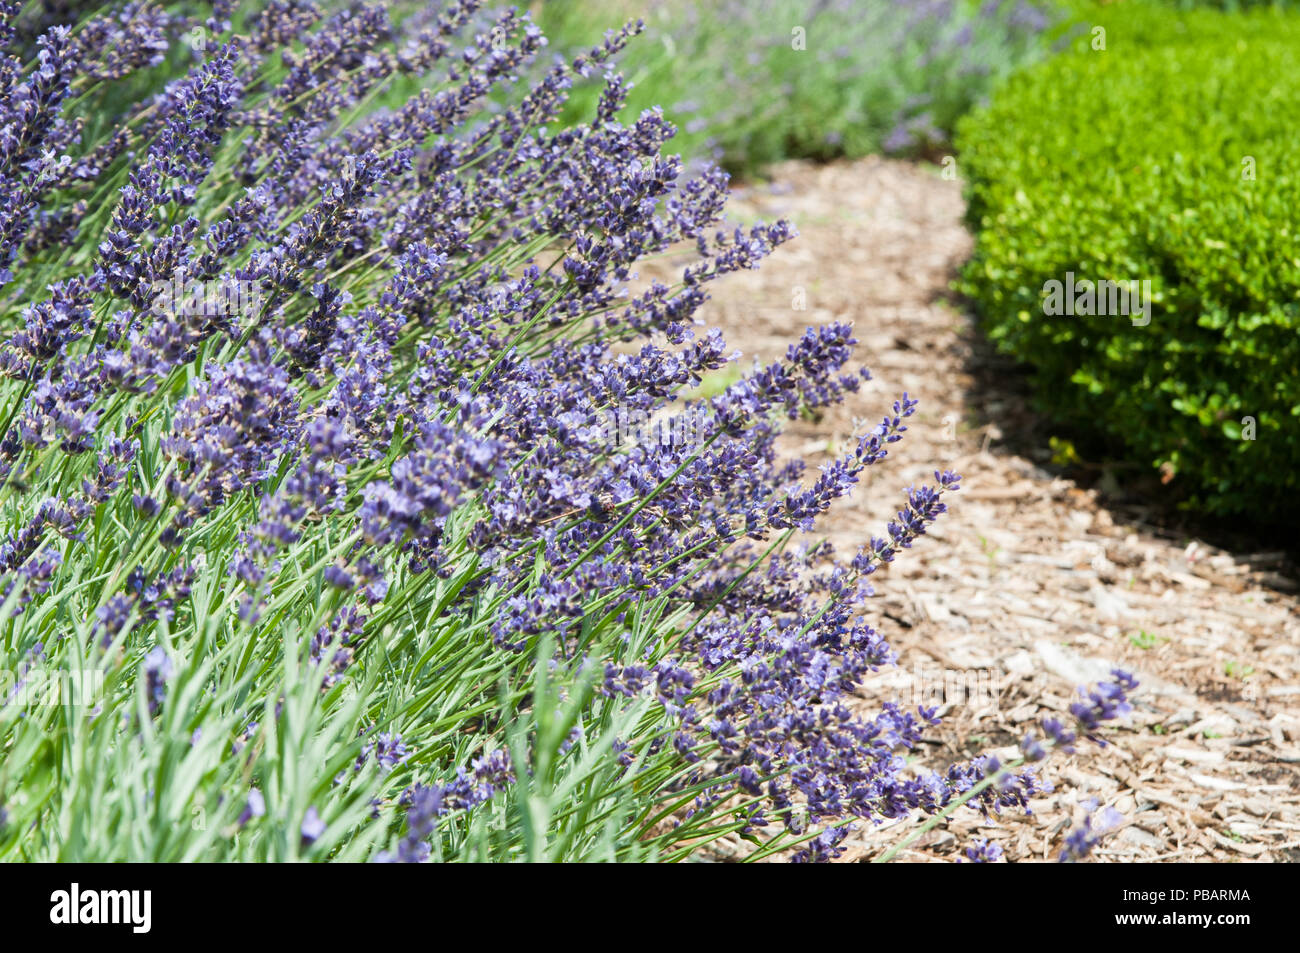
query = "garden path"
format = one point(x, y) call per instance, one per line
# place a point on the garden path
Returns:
point(1033, 583)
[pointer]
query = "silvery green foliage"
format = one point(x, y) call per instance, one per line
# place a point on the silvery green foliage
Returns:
point(751, 82)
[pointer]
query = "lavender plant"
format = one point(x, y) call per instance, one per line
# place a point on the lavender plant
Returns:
point(755, 81)
point(320, 537)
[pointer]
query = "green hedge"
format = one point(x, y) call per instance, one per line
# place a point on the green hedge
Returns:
point(1134, 163)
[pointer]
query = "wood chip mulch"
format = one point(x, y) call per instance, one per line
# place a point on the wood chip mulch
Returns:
point(1032, 584)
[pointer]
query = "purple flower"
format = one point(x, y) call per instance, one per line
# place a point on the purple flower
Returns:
point(983, 851)
point(1109, 700)
point(426, 803)
point(157, 669)
point(825, 847)
point(1096, 825)
point(312, 827)
point(255, 806)
point(388, 750)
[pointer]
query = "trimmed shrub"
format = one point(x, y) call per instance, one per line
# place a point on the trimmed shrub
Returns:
point(1169, 157)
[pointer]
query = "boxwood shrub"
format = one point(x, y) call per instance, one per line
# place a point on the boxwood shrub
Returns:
point(1169, 156)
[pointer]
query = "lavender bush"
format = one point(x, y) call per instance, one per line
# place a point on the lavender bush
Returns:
point(754, 81)
point(322, 534)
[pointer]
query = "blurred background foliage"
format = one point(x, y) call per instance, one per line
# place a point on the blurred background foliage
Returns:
point(751, 82)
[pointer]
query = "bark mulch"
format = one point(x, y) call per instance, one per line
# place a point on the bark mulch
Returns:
point(1033, 583)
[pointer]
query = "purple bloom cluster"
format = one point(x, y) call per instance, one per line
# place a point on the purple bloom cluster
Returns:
point(1094, 827)
point(157, 670)
point(143, 600)
point(425, 804)
point(1107, 701)
point(387, 749)
point(983, 851)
